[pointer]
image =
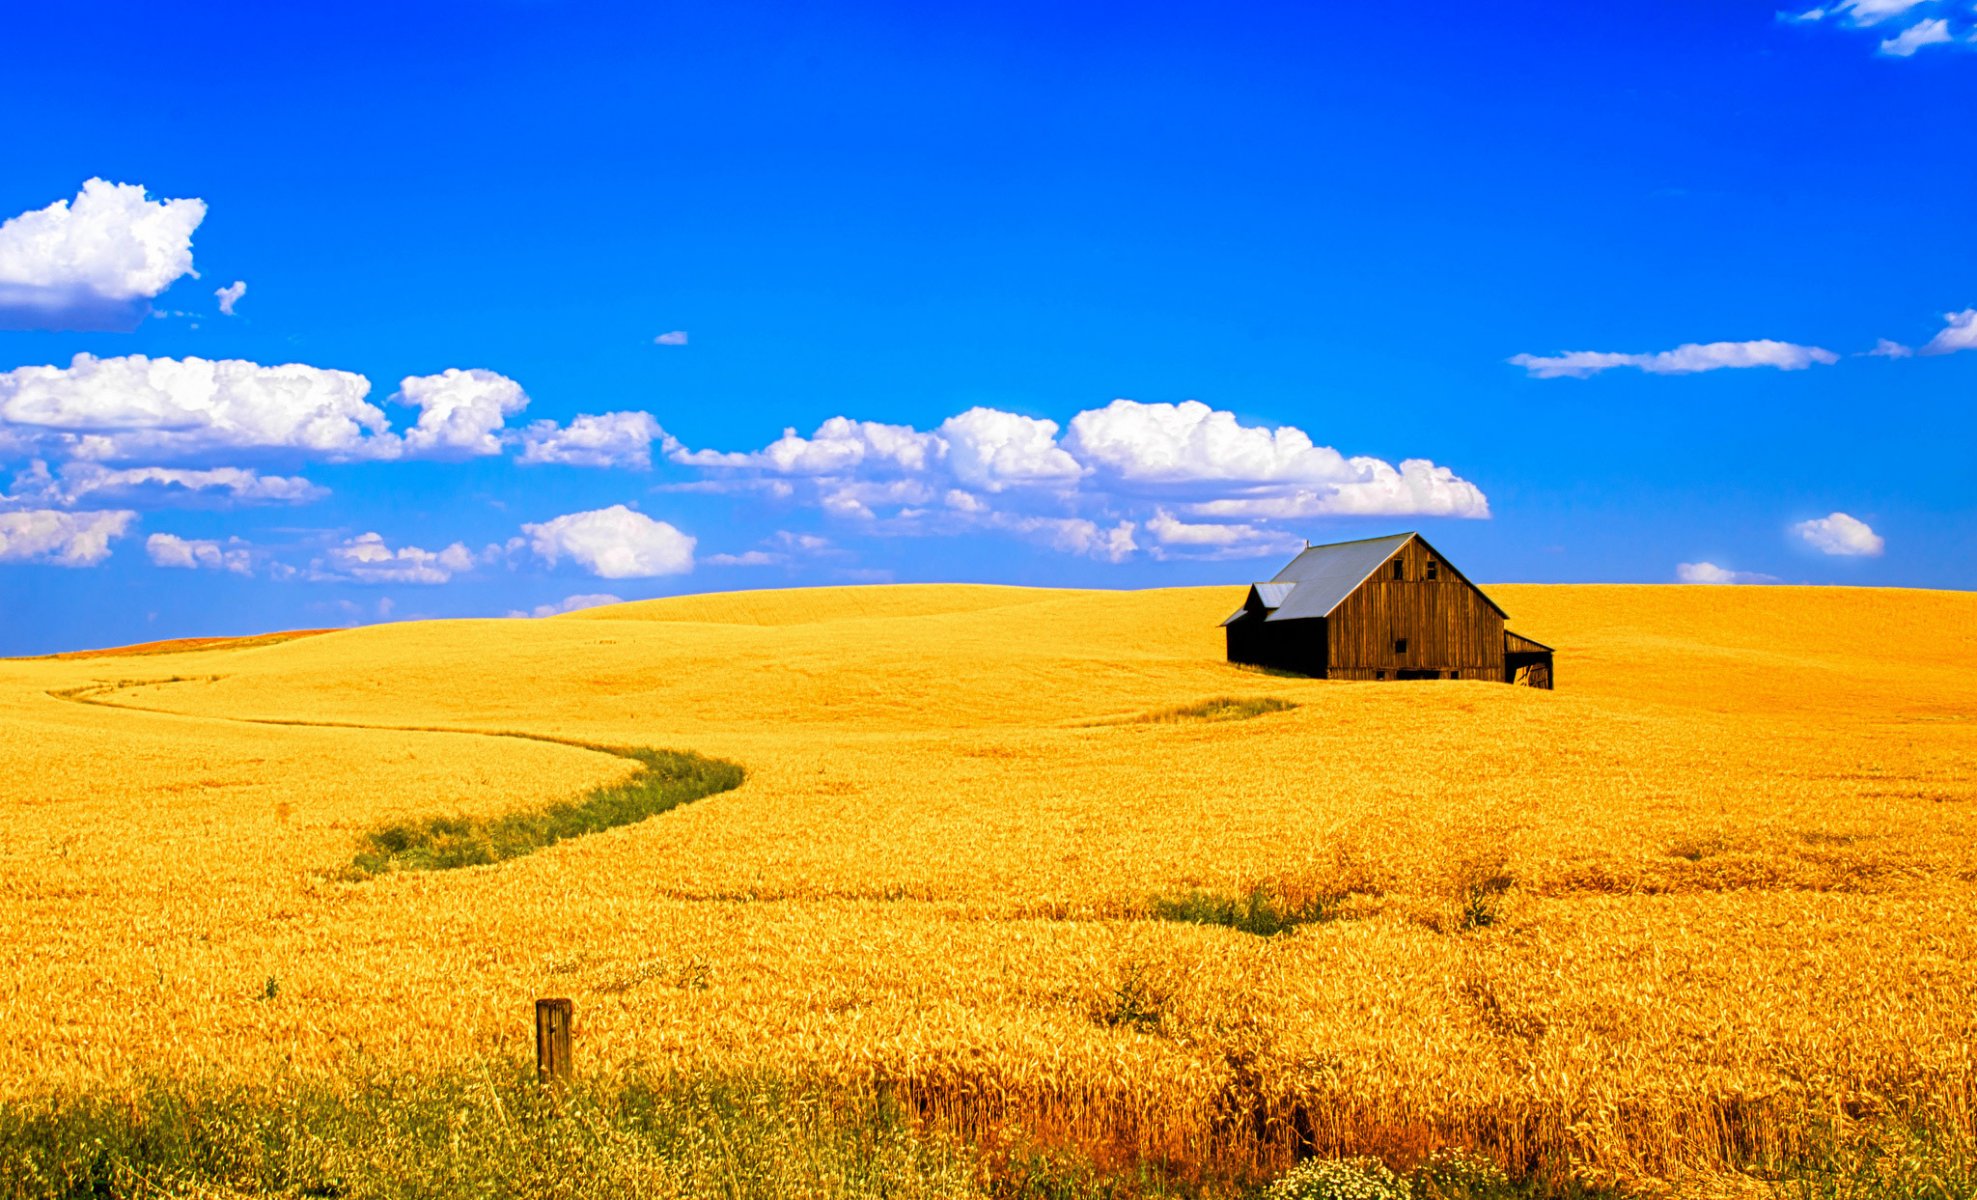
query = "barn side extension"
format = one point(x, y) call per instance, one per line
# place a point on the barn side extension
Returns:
point(1389, 608)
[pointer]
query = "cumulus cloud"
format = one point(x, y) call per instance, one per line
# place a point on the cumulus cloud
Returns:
point(675, 338)
point(839, 446)
point(1933, 32)
point(368, 558)
point(67, 539)
point(1960, 334)
point(92, 263)
point(77, 480)
point(614, 439)
point(569, 604)
point(131, 406)
point(1708, 572)
point(230, 295)
point(1888, 348)
point(169, 550)
point(1192, 443)
point(461, 413)
point(1088, 491)
point(613, 543)
point(994, 450)
point(1682, 360)
point(1178, 538)
point(1073, 535)
point(784, 547)
point(1840, 534)
point(1416, 488)
point(1276, 473)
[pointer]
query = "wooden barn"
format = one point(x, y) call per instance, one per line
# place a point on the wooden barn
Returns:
point(1382, 608)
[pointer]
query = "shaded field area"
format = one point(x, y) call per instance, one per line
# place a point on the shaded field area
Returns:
point(1044, 875)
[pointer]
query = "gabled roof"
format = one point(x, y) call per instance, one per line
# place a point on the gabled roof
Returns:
point(1318, 580)
point(1273, 595)
point(1267, 596)
point(1323, 576)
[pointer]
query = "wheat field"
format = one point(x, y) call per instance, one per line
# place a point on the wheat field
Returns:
point(1716, 890)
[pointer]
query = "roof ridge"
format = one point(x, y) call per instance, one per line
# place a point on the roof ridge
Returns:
point(1356, 541)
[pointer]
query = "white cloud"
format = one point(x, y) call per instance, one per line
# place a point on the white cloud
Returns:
point(460, 412)
point(1217, 540)
point(840, 446)
point(1708, 572)
point(1873, 12)
point(1868, 14)
point(1840, 534)
point(120, 408)
point(799, 543)
point(992, 450)
point(1933, 32)
point(367, 558)
point(784, 546)
point(1960, 334)
point(1887, 348)
point(93, 262)
point(1278, 473)
point(613, 543)
point(856, 498)
point(985, 469)
point(1072, 535)
point(615, 439)
point(1682, 360)
point(1417, 488)
point(747, 558)
point(1858, 13)
point(569, 604)
point(230, 295)
point(77, 480)
point(1192, 443)
point(676, 338)
point(169, 550)
point(68, 539)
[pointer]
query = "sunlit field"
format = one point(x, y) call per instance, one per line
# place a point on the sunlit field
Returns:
point(1026, 863)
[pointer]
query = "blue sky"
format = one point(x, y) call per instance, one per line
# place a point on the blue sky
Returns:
point(1115, 296)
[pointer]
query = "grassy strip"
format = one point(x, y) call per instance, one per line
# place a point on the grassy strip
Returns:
point(475, 1134)
point(1262, 911)
point(666, 780)
point(1221, 708)
point(492, 1132)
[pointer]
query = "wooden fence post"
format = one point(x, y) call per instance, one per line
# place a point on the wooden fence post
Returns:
point(552, 1039)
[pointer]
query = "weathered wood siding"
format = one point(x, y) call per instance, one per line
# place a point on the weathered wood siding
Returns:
point(1447, 623)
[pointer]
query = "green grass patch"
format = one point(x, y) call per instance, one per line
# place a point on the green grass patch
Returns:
point(480, 1134)
point(665, 780)
point(1222, 708)
point(1260, 911)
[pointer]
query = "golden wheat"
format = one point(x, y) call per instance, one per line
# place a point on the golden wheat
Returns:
point(1723, 880)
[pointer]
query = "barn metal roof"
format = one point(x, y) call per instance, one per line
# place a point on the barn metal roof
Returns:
point(1323, 576)
point(1273, 594)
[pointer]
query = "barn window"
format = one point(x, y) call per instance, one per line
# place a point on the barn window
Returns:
point(1431, 568)
point(1379, 674)
point(1400, 569)
point(1400, 645)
